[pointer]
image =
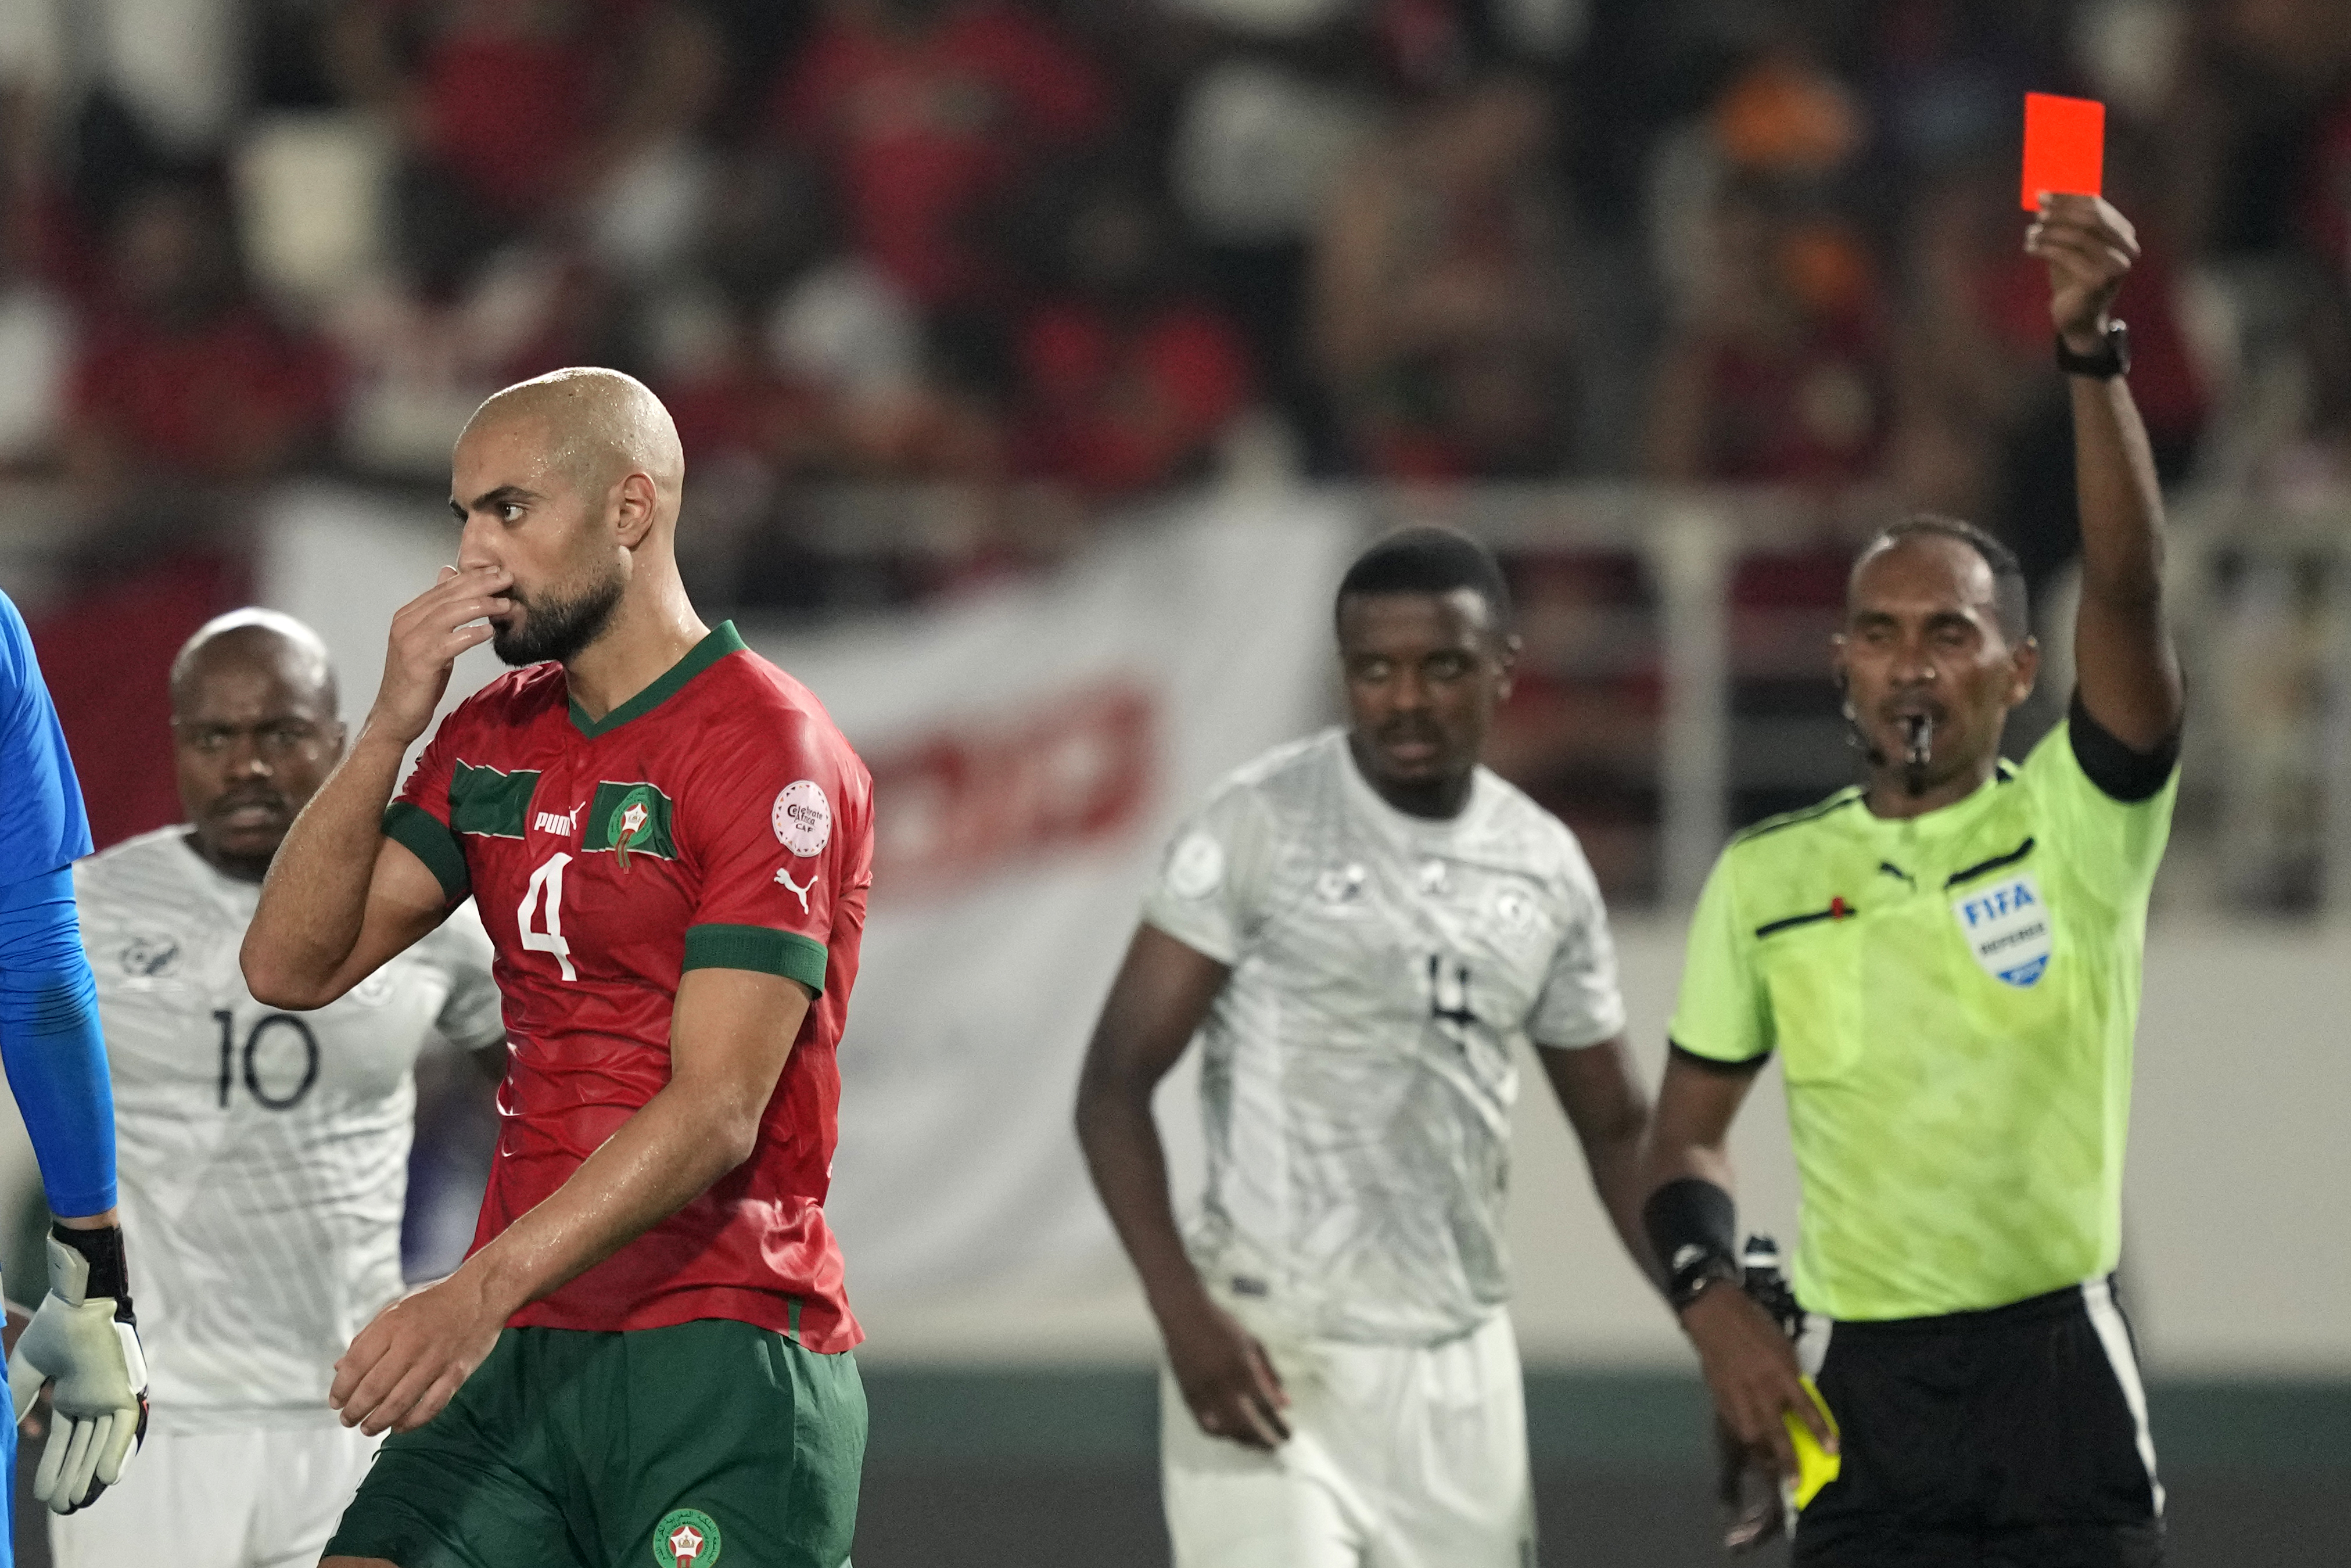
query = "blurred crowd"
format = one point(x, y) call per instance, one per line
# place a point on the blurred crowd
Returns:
point(1057, 256)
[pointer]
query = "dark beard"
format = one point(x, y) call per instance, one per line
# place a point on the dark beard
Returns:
point(558, 629)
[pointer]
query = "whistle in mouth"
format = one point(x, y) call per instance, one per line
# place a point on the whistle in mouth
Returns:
point(1922, 738)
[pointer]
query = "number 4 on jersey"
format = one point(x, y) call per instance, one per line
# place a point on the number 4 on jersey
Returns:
point(1448, 993)
point(545, 895)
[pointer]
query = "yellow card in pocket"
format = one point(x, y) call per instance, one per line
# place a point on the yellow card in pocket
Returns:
point(1815, 1466)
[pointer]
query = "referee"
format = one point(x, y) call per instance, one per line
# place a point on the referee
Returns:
point(1947, 961)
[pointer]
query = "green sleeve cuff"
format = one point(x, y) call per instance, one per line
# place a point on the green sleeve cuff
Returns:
point(759, 948)
point(409, 824)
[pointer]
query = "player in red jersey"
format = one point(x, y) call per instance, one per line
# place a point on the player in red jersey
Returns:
point(670, 845)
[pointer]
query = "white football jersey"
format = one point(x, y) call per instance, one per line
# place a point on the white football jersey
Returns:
point(263, 1155)
point(1358, 1071)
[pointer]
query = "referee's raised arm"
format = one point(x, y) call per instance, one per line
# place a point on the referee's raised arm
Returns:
point(2127, 672)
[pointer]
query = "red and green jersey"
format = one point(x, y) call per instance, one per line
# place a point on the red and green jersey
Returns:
point(717, 820)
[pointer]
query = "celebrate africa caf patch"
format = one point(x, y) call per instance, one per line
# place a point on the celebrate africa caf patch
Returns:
point(685, 1538)
point(802, 818)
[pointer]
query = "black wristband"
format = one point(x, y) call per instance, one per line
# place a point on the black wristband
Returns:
point(109, 1272)
point(1693, 1227)
point(2112, 360)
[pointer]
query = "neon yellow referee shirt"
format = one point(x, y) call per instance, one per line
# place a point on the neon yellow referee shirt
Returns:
point(1952, 997)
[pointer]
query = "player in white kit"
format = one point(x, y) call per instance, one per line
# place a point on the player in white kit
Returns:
point(263, 1154)
point(1360, 928)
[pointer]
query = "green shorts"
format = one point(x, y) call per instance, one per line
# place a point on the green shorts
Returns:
point(710, 1443)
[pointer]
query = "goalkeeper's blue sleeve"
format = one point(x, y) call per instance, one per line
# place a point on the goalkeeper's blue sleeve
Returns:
point(49, 1040)
point(50, 1044)
point(42, 824)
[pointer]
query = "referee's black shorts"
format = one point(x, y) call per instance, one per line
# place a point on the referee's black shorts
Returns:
point(2015, 1437)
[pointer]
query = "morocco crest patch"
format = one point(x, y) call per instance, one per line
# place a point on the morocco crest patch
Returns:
point(630, 819)
point(636, 814)
point(685, 1538)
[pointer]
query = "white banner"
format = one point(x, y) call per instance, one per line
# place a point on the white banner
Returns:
point(1030, 752)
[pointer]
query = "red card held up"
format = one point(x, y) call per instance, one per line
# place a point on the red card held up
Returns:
point(2065, 146)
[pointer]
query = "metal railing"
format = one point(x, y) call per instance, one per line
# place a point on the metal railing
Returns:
point(2259, 588)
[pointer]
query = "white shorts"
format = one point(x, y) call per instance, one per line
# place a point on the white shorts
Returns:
point(1399, 1457)
point(265, 1497)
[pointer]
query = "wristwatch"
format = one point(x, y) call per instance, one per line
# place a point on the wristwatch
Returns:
point(2111, 360)
point(1692, 1270)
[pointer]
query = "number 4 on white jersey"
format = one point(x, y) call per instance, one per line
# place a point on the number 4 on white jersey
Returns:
point(548, 882)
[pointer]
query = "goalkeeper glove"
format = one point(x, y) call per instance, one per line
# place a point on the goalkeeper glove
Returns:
point(84, 1339)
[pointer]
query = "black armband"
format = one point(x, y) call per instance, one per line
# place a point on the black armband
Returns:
point(2120, 773)
point(109, 1272)
point(1693, 1227)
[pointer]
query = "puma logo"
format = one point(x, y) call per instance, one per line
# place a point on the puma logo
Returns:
point(564, 826)
point(801, 893)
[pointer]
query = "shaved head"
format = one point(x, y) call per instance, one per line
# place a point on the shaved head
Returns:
point(599, 426)
point(569, 485)
point(264, 638)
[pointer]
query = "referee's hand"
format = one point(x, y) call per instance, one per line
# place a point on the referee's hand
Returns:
point(2090, 248)
point(1751, 1370)
point(1227, 1379)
